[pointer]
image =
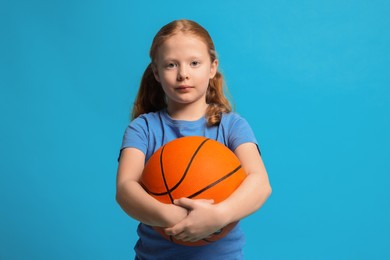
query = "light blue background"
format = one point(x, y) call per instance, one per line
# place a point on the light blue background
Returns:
point(311, 77)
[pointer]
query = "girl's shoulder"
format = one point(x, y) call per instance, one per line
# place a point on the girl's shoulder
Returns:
point(147, 118)
point(232, 118)
point(231, 115)
point(235, 124)
point(150, 116)
point(237, 130)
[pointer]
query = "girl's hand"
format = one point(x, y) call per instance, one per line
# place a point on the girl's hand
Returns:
point(203, 219)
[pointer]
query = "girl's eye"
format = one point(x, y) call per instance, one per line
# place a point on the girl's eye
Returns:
point(170, 65)
point(195, 63)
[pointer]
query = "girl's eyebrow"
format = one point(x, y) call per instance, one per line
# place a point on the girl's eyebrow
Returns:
point(195, 58)
point(166, 59)
point(174, 59)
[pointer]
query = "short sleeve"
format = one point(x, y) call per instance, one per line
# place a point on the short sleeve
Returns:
point(136, 135)
point(240, 132)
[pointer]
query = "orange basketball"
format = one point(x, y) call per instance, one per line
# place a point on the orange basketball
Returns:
point(194, 167)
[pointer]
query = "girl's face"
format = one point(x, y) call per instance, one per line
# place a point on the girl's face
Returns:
point(183, 67)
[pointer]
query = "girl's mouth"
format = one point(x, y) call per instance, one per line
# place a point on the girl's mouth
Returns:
point(183, 88)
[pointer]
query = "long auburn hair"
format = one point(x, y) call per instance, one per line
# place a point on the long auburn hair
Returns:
point(151, 97)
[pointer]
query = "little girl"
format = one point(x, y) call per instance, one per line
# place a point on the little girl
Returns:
point(181, 94)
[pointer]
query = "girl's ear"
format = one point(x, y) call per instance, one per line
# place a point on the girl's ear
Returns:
point(155, 72)
point(213, 68)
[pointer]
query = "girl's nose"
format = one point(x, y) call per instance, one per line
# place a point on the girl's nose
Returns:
point(182, 74)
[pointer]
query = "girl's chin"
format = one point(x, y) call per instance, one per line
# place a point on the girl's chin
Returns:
point(184, 102)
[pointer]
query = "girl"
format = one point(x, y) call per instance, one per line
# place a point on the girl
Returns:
point(181, 94)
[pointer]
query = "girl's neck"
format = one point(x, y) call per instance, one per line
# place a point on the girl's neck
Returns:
point(187, 112)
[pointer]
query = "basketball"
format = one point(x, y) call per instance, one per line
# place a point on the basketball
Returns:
point(194, 167)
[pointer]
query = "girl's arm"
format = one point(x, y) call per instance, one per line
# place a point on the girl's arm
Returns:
point(135, 201)
point(205, 218)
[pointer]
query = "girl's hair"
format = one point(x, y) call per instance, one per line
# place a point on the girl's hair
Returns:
point(151, 97)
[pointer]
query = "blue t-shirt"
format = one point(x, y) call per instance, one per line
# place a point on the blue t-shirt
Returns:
point(148, 132)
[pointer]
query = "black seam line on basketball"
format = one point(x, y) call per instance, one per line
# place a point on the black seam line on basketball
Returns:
point(163, 175)
point(184, 174)
point(189, 165)
point(214, 183)
point(145, 188)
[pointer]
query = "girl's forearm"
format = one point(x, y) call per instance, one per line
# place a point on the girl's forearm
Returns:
point(247, 199)
point(253, 191)
point(135, 201)
point(141, 206)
